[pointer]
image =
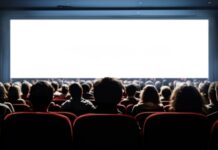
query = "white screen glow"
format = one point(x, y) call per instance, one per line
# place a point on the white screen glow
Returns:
point(95, 48)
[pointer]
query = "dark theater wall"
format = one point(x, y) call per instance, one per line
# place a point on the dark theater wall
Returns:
point(109, 9)
point(213, 48)
point(106, 3)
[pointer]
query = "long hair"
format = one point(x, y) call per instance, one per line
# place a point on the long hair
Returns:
point(149, 94)
point(187, 99)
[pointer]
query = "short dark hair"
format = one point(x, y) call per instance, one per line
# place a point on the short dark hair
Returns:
point(25, 88)
point(86, 87)
point(108, 91)
point(41, 94)
point(75, 90)
point(64, 89)
point(14, 93)
point(131, 89)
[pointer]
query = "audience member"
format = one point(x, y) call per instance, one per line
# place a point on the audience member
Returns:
point(149, 101)
point(5, 107)
point(41, 95)
point(7, 86)
point(55, 86)
point(14, 95)
point(107, 93)
point(25, 89)
point(203, 88)
point(77, 104)
point(165, 93)
point(64, 93)
point(213, 106)
point(131, 98)
point(86, 91)
point(187, 99)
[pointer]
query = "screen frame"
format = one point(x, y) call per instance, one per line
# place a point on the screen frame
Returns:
point(95, 14)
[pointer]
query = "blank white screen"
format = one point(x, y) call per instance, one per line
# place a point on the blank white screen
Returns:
point(128, 48)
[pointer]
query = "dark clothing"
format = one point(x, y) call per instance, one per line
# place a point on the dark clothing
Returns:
point(107, 109)
point(18, 101)
point(212, 108)
point(129, 100)
point(146, 107)
point(4, 110)
point(88, 96)
point(78, 106)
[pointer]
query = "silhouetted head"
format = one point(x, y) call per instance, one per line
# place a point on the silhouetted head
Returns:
point(25, 88)
point(55, 85)
point(203, 88)
point(212, 93)
point(86, 87)
point(75, 90)
point(108, 91)
point(149, 82)
point(158, 85)
point(3, 93)
point(7, 86)
point(41, 94)
point(64, 89)
point(14, 93)
point(131, 90)
point(216, 90)
point(90, 83)
point(187, 99)
point(165, 92)
point(150, 94)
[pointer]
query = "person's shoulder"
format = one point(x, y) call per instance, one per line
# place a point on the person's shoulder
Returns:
point(20, 100)
point(87, 103)
point(67, 102)
point(139, 105)
point(124, 100)
point(5, 107)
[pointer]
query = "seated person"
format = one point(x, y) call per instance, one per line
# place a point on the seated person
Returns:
point(14, 95)
point(165, 93)
point(107, 93)
point(41, 95)
point(77, 104)
point(187, 99)
point(86, 92)
point(4, 110)
point(149, 101)
point(213, 105)
point(4, 97)
point(131, 98)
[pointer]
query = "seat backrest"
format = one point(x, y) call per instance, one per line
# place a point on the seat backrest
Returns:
point(70, 115)
point(140, 118)
point(121, 108)
point(59, 101)
point(40, 130)
point(129, 109)
point(165, 102)
point(167, 108)
point(106, 131)
point(212, 118)
point(21, 108)
point(169, 129)
point(213, 137)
